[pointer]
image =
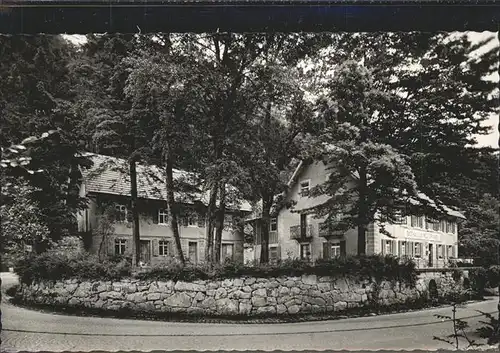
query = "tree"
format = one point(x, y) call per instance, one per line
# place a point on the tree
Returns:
point(155, 86)
point(369, 179)
point(480, 234)
point(22, 223)
point(36, 96)
point(108, 113)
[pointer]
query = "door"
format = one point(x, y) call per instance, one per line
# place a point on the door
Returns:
point(193, 252)
point(431, 255)
point(145, 252)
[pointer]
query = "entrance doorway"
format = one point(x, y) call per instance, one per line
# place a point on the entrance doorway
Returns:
point(431, 255)
point(146, 252)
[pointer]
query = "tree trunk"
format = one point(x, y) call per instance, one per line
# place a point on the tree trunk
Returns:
point(220, 224)
point(362, 212)
point(209, 239)
point(136, 237)
point(172, 206)
point(266, 211)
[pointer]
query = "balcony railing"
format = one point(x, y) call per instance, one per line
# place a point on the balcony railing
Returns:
point(325, 231)
point(298, 232)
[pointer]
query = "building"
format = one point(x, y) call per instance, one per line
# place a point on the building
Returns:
point(295, 234)
point(107, 186)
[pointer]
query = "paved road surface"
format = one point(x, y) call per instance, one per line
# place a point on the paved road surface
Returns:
point(25, 329)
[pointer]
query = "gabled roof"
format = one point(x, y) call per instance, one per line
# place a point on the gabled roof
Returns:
point(324, 198)
point(109, 175)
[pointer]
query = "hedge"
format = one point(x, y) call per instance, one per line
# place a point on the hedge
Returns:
point(49, 266)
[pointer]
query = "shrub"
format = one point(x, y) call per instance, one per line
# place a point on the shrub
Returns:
point(84, 266)
point(485, 277)
point(56, 266)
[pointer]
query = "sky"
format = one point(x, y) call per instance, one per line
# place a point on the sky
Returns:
point(490, 140)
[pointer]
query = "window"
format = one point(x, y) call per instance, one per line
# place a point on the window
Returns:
point(450, 251)
point(121, 213)
point(432, 224)
point(335, 250)
point(450, 227)
point(163, 248)
point(273, 254)
point(162, 216)
point(193, 252)
point(227, 252)
point(399, 217)
point(305, 251)
point(402, 248)
point(273, 226)
point(120, 246)
point(304, 187)
point(442, 225)
point(417, 221)
point(228, 221)
point(388, 247)
point(192, 220)
point(417, 249)
point(440, 251)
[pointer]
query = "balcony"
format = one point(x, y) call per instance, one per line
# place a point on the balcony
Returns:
point(326, 232)
point(299, 233)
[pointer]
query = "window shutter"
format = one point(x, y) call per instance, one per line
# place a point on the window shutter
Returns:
point(453, 251)
point(342, 248)
point(155, 216)
point(399, 247)
point(155, 247)
point(278, 252)
point(326, 252)
point(171, 247)
point(382, 243)
point(393, 247)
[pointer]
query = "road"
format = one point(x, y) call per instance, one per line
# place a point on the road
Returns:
point(29, 330)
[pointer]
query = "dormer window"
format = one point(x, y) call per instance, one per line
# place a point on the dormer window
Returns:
point(162, 216)
point(121, 213)
point(304, 187)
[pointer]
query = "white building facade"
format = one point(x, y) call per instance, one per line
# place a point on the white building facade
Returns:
point(295, 234)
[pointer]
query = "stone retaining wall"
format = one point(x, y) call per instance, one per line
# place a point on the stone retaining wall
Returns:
point(240, 296)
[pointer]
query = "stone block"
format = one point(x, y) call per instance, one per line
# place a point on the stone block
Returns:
point(153, 296)
point(339, 306)
point(199, 296)
point(74, 302)
point(309, 279)
point(342, 284)
point(259, 301)
point(220, 293)
point(294, 309)
point(245, 308)
point(227, 306)
point(249, 281)
point(266, 310)
point(191, 287)
point(281, 309)
point(247, 289)
point(178, 300)
point(324, 286)
point(261, 292)
point(295, 291)
point(208, 303)
point(238, 282)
